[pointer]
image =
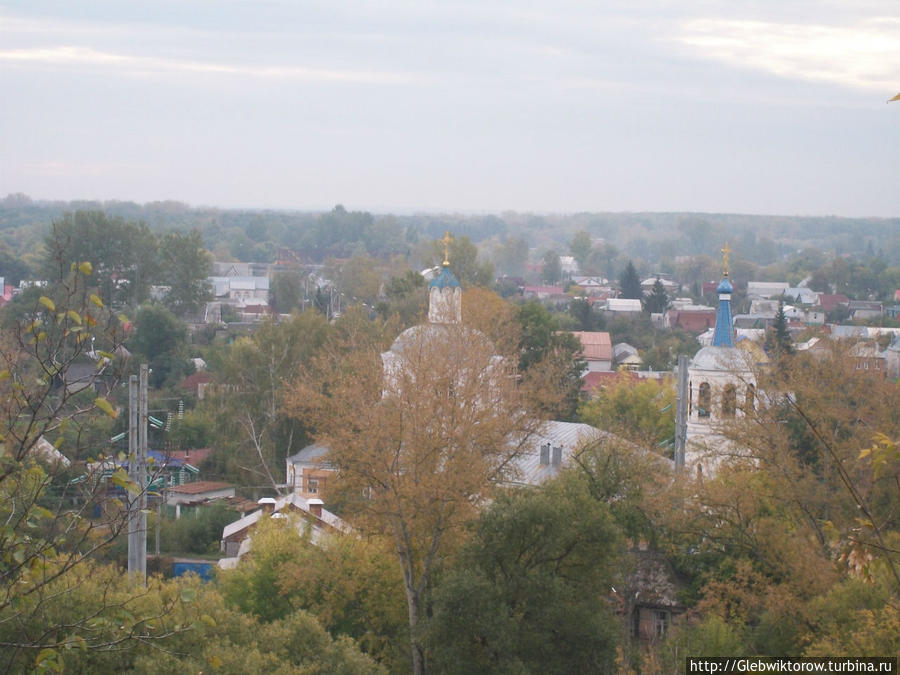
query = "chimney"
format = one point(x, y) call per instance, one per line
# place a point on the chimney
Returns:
point(315, 507)
point(545, 454)
point(267, 504)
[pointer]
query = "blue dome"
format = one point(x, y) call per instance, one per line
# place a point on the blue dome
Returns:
point(725, 287)
point(445, 280)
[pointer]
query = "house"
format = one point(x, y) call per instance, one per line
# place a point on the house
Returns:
point(196, 493)
point(596, 350)
point(668, 285)
point(197, 383)
point(194, 456)
point(623, 306)
point(690, 317)
point(241, 290)
point(236, 535)
point(651, 595)
point(866, 356)
point(766, 289)
point(591, 285)
point(802, 295)
point(626, 357)
point(864, 309)
point(308, 472)
point(892, 358)
point(552, 294)
point(828, 302)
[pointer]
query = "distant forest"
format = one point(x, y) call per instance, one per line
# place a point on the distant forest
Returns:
point(655, 241)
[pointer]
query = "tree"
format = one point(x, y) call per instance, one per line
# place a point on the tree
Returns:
point(531, 591)
point(348, 583)
point(580, 248)
point(253, 433)
point(123, 255)
point(464, 262)
point(551, 271)
point(544, 346)
point(53, 524)
point(184, 268)
point(642, 411)
point(161, 340)
point(630, 283)
point(511, 256)
point(658, 301)
point(417, 443)
point(778, 337)
point(286, 292)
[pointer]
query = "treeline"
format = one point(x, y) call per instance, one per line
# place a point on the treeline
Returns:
point(257, 235)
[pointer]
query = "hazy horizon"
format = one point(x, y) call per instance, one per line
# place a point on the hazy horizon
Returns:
point(769, 108)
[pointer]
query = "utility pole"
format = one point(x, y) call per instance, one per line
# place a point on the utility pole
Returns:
point(137, 468)
point(681, 412)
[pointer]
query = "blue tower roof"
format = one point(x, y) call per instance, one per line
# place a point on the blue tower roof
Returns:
point(724, 335)
point(444, 280)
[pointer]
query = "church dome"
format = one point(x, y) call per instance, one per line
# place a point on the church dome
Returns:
point(445, 280)
point(719, 359)
point(724, 287)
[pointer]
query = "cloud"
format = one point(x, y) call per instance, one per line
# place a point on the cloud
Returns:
point(865, 55)
point(74, 56)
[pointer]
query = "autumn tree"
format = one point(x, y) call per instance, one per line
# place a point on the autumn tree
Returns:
point(643, 411)
point(418, 438)
point(56, 517)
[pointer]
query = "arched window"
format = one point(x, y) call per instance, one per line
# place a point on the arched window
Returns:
point(750, 404)
point(704, 400)
point(729, 401)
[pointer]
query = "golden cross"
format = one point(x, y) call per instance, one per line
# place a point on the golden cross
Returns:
point(726, 251)
point(446, 242)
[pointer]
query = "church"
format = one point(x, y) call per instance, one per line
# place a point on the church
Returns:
point(722, 385)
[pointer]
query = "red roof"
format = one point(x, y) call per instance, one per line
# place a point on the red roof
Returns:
point(201, 486)
point(829, 301)
point(599, 380)
point(194, 380)
point(194, 456)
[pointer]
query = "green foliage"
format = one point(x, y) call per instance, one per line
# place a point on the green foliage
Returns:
point(252, 434)
point(542, 343)
point(580, 247)
point(197, 531)
point(123, 254)
point(253, 586)
point(184, 268)
point(657, 301)
point(286, 292)
point(511, 256)
point(551, 271)
point(630, 283)
point(171, 626)
point(160, 340)
point(530, 592)
point(464, 262)
point(641, 410)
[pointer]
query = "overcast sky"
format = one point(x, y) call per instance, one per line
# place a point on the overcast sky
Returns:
point(770, 106)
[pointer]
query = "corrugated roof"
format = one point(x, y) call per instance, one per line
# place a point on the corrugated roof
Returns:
point(595, 345)
point(201, 486)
